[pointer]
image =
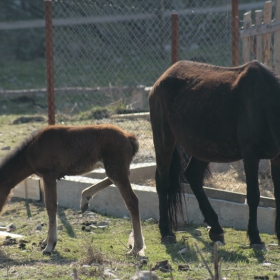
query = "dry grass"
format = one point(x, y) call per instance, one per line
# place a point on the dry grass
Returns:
point(233, 179)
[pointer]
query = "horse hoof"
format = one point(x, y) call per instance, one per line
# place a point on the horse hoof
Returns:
point(84, 208)
point(259, 246)
point(169, 239)
point(216, 237)
point(46, 253)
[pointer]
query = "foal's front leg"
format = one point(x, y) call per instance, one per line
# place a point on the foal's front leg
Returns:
point(51, 205)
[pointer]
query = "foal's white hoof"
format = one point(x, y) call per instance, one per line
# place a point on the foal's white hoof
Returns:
point(84, 207)
point(136, 253)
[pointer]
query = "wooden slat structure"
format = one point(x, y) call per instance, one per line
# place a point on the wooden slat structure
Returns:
point(261, 39)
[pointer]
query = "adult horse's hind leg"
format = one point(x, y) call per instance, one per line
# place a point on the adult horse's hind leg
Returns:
point(275, 173)
point(195, 175)
point(251, 167)
point(164, 142)
point(51, 205)
point(91, 191)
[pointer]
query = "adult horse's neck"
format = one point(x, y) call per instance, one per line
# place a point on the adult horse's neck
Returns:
point(12, 171)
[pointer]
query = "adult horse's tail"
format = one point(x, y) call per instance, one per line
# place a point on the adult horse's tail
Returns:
point(14, 169)
point(174, 192)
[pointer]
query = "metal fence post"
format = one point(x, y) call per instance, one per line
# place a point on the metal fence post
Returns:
point(49, 61)
point(234, 31)
point(174, 38)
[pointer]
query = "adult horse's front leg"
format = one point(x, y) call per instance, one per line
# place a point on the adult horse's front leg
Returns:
point(195, 175)
point(51, 205)
point(275, 173)
point(251, 166)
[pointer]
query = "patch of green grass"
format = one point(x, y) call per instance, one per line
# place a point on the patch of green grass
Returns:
point(16, 74)
point(92, 252)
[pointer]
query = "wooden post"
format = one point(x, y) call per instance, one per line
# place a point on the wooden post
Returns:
point(234, 32)
point(49, 60)
point(174, 38)
point(267, 36)
point(259, 48)
point(246, 40)
point(277, 40)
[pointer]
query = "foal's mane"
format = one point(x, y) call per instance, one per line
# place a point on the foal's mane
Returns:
point(11, 156)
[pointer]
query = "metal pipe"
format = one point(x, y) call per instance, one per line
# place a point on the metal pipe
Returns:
point(234, 32)
point(174, 38)
point(49, 61)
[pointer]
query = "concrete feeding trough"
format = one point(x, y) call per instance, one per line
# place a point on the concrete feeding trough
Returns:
point(230, 206)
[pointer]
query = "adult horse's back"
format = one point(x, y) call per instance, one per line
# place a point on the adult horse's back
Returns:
point(215, 114)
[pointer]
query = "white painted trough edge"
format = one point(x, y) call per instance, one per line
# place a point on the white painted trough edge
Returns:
point(109, 201)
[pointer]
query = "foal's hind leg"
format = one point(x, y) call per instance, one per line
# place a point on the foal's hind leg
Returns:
point(51, 205)
point(195, 175)
point(91, 191)
point(131, 200)
point(275, 173)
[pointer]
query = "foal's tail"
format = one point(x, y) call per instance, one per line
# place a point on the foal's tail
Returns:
point(134, 143)
point(174, 190)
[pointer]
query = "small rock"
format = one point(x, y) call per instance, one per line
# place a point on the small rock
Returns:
point(126, 218)
point(39, 227)
point(28, 120)
point(197, 232)
point(183, 267)
point(22, 245)
point(144, 275)
point(6, 148)
point(60, 227)
point(109, 273)
point(104, 224)
point(151, 221)
point(93, 227)
point(183, 251)
point(9, 241)
point(86, 228)
point(89, 213)
point(163, 266)
point(267, 264)
point(11, 227)
point(102, 227)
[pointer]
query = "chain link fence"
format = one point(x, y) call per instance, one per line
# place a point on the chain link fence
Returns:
point(107, 54)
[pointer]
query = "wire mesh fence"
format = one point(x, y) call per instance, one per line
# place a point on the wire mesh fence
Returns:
point(107, 54)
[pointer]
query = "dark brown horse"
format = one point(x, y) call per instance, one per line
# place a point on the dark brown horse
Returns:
point(57, 151)
point(215, 114)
